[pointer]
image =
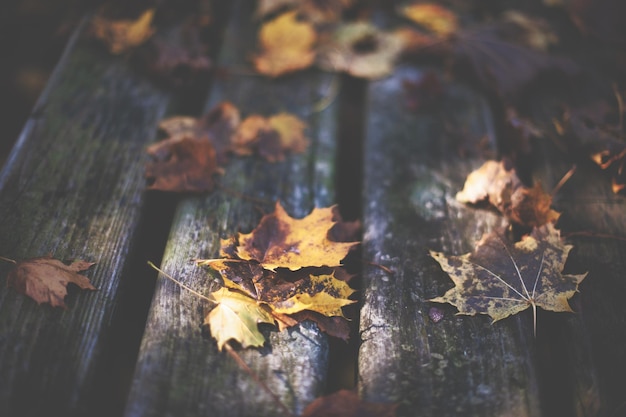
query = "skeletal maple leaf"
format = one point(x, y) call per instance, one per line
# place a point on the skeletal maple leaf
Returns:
point(271, 137)
point(501, 278)
point(498, 183)
point(236, 316)
point(345, 403)
point(286, 45)
point(182, 164)
point(124, 34)
point(280, 241)
point(45, 279)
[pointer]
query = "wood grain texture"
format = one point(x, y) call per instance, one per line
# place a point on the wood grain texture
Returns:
point(414, 165)
point(585, 349)
point(72, 187)
point(180, 371)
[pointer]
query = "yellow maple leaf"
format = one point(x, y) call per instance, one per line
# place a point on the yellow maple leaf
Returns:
point(237, 316)
point(324, 294)
point(280, 241)
point(125, 34)
point(433, 17)
point(286, 45)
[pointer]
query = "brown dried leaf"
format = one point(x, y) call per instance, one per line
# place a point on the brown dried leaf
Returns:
point(501, 278)
point(252, 295)
point(286, 46)
point(280, 241)
point(125, 34)
point(182, 164)
point(217, 126)
point(291, 297)
point(335, 326)
point(324, 294)
point(288, 286)
point(45, 279)
point(272, 138)
point(284, 291)
point(346, 403)
point(498, 183)
point(220, 124)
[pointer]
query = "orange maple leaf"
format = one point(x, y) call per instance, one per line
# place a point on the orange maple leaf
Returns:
point(499, 184)
point(182, 164)
point(45, 279)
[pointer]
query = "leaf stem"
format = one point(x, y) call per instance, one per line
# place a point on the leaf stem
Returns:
point(2, 258)
point(534, 318)
point(210, 261)
point(233, 354)
point(563, 180)
point(383, 267)
point(180, 284)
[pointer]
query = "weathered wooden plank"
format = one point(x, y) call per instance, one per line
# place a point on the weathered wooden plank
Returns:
point(72, 187)
point(461, 366)
point(179, 370)
point(587, 349)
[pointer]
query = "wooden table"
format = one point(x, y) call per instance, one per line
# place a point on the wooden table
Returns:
point(74, 187)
